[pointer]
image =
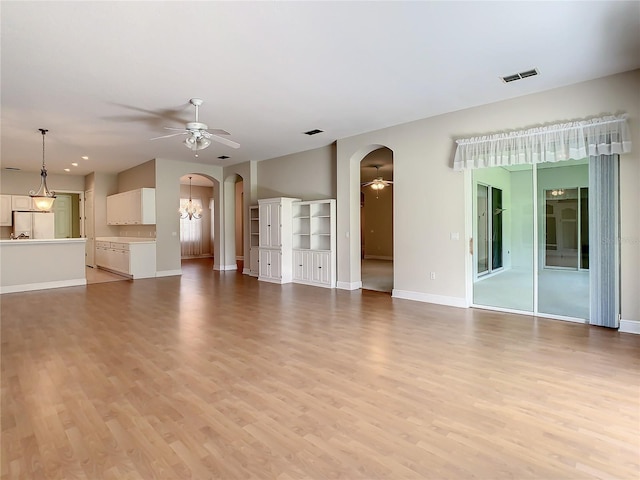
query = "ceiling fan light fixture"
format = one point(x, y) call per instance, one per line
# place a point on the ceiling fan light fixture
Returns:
point(196, 143)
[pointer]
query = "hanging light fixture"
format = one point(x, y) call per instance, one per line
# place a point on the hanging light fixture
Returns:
point(44, 197)
point(557, 193)
point(190, 210)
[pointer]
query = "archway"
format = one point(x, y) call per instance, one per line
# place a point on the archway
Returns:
point(376, 220)
point(197, 234)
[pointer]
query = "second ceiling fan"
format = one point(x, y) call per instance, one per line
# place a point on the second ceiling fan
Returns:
point(199, 135)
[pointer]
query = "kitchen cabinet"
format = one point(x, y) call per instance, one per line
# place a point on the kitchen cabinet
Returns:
point(5, 211)
point(135, 207)
point(22, 203)
point(135, 258)
point(275, 253)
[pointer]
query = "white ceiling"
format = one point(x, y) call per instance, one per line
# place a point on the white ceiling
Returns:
point(105, 77)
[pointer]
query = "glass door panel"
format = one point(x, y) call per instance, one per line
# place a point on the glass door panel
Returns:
point(503, 228)
point(563, 232)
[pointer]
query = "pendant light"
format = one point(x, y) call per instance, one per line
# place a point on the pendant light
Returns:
point(44, 197)
point(190, 210)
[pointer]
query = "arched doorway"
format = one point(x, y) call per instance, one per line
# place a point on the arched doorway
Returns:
point(197, 234)
point(376, 220)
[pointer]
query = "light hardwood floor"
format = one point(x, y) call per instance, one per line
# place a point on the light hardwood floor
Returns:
point(217, 375)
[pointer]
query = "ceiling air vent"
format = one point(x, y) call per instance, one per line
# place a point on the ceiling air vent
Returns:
point(519, 76)
point(313, 132)
point(224, 157)
point(13, 169)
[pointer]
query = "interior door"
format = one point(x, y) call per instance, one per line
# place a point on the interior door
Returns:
point(63, 221)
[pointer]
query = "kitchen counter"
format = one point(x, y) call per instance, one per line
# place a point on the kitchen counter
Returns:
point(37, 264)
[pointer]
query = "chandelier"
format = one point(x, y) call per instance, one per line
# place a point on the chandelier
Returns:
point(190, 210)
point(44, 197)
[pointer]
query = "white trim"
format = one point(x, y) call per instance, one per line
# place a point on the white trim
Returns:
point(246, 271)
point(27, 287)
point(550, 316)
point(430, 298)
point(630, 326)
point(349, 285)
point(168, 273)
point(279, 281)
point(224, 268)
point(378, 257)
point(240, 258)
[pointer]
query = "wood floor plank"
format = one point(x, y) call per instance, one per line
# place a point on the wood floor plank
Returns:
point(216, 375)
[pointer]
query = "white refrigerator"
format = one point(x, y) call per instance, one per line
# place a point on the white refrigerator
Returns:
point(34, 224)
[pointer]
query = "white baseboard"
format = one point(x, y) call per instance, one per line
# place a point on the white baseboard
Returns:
point(629, 326)
point(168, 273)
point(377, 257)
point(349, 285)
point(429, 298)
point(246, 271)
point(28, 287)
point(224, 268)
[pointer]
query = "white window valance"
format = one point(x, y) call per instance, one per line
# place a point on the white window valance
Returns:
point(552, 143)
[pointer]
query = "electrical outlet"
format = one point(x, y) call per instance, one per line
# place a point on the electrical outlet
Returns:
point(433, 275)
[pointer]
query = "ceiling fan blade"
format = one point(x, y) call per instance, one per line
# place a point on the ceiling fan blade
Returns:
point(170, 135)
point(224, 141)
point(217, 131)
point(366, 184)
point(173, 128)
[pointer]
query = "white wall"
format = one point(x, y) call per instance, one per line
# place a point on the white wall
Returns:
point(424, 179)
point(307, 175)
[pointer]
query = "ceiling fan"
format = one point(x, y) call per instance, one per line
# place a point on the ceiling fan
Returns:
point(377, 183)
point(199, 134)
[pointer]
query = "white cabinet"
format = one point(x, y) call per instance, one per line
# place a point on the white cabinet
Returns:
point(22, 203)
point(314, 242)
point(270, 265)
point(270, 224)
point(135, 259)
point(254, 240)
point(135, 207)
point(5, 210)
point(275, 263)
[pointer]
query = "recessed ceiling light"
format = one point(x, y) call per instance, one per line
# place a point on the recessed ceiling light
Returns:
point(313, 132)
point(67, 170)
point(74, 164)
point(223, 157)
point(84, 157)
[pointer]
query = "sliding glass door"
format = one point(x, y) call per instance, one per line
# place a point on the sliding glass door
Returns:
point(531, 227)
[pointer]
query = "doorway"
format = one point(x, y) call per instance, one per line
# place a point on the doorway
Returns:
point(376, 220)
